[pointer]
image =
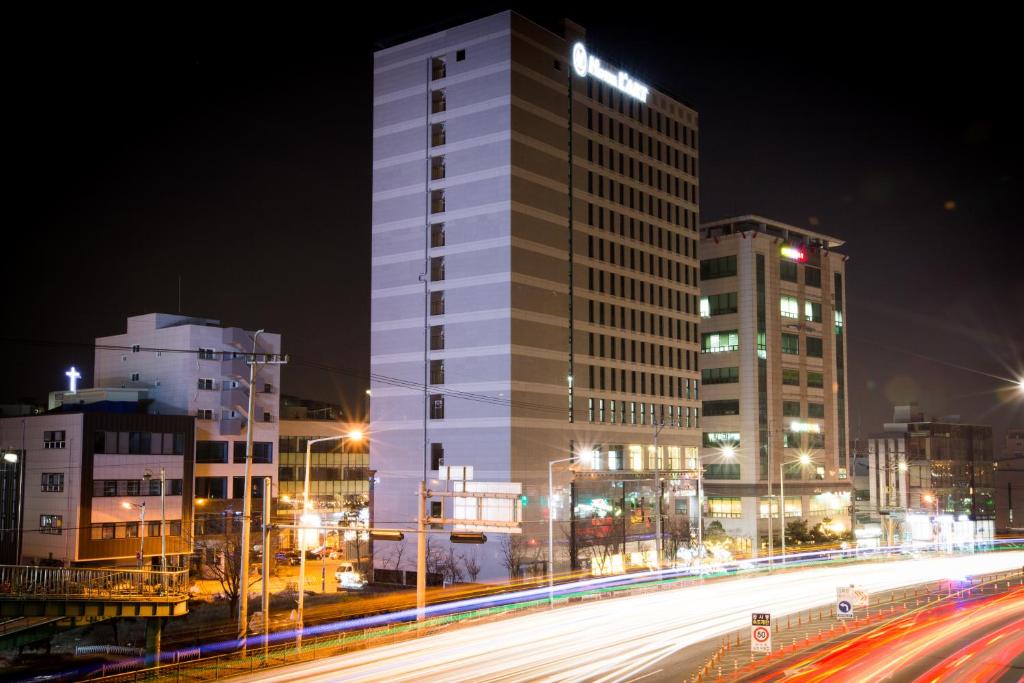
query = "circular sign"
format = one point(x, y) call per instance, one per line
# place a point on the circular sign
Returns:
point(579, 59)
point(762, 634)
point(845, 607)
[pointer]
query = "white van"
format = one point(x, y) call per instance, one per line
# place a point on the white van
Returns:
point(348, 577)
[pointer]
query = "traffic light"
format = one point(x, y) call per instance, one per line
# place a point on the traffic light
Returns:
point(524, 500)
point(386, 535)
point(467, 537)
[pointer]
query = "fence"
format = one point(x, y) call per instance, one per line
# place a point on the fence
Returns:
point(57, 582)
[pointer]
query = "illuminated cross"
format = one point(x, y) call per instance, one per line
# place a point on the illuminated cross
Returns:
point(74, 376)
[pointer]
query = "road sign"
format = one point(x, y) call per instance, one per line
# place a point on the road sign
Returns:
point(848, 598)
point(760, 632)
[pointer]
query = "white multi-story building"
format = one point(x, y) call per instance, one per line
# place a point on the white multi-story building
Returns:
point(539, 276)
point(773, 369)
point(193, 366)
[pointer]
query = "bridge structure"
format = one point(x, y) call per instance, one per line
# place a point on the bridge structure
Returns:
point(37, 601)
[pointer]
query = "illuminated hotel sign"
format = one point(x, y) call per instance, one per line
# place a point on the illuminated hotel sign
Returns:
point(589, 65)
point(793, 253)
point(812, 427)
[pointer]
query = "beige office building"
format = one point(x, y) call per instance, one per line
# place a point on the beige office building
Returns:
point(773, 370)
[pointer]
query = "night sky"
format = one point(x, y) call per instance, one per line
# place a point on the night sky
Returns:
point(236, 154)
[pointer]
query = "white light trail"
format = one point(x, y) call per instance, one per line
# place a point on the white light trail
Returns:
point(617, 639)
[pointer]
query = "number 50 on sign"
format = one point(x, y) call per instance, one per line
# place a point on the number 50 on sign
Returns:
point(761, 632)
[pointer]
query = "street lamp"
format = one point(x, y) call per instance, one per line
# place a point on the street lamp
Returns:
point(728, 452)
point(142, 524)
point(353, 435)
point(12, 458)
point(804, 459)
point(551, 525)
point(931, 498)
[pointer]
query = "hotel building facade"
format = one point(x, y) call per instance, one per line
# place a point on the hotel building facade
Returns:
point(535, 266)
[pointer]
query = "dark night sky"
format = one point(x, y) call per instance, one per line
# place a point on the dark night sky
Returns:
point(238, 156)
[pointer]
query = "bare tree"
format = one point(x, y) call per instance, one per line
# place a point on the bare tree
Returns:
point(450, 567)
point(472, 565)
point(677, 530)
point(222, 559)
point(393, 558)
point(513, 555)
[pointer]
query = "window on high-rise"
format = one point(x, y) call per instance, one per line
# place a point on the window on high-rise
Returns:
point(718, 304)
point(790, 344)
point(788, 271)
point(436, 456)
point(791, 377)
point(717, 342)
point(437, 406)
point(436, 268)
point(812, 276)
point(437, 235)
point(814, 348)
point(812, 311)
point(790, 307)
point(437, 372)
point(718, 408)
point(723, 266)
point(437, 303)
point(816, 410)
point(791, 408)
point(436, 337)
point(815, 380)
point(720, 375)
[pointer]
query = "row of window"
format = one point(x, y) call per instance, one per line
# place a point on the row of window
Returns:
point(635, 169)
point(639, 230)
point(729, 340)
point(640, 261)
point(217, 487)
point(216, 452)
point(112, 530)
point(139, 443)
point(727, 507)
point(789, 271)
point(112, 488)
point(211, 414)
point(621, 348)
point(642, 382)
point(636, 110)
point(791, 377)
point(636, 139)
point(324, 473)
point(600, 313)
point(792, 409)
point(633, 413)
point(204, 353)
point(638, 200)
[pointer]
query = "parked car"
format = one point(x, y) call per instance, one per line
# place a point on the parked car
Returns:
point(348, 577)
point(289, 558)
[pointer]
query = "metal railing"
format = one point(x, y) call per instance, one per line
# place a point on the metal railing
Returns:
point(23, 582)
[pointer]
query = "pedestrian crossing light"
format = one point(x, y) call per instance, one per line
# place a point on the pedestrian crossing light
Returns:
point(467, 537)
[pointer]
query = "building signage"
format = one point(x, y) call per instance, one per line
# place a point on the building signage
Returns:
point(589, 65)
point(760, 632)
point(794, 254)
point(811, 427)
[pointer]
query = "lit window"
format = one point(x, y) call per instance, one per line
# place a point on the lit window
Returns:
point(725, 507)
point(705, 307)
point(790, 307)
point(812, 311)
point(716, 342)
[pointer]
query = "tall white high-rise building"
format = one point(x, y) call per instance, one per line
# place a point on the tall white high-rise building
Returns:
point(540, 279)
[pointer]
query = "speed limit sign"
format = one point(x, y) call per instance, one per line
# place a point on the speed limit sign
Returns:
point(760, 632)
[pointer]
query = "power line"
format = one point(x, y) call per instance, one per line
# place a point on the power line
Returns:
point(374, 377)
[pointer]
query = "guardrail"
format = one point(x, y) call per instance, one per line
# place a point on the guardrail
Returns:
point(22, 582)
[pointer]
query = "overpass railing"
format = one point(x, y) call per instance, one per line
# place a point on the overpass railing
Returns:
point(24, 582)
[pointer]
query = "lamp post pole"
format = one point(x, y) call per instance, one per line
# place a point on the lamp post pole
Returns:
point(302, 545)
point(658, 426)
point(782, 509)
point(551, 528)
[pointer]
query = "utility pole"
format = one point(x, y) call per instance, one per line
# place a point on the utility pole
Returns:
point(266, 566)
point(163, 531)
point(421, 553)
point(243, 579)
